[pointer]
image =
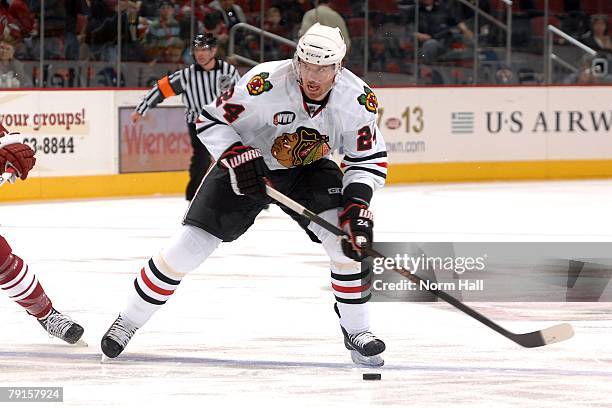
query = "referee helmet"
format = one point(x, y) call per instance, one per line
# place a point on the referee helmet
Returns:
point(206, 40)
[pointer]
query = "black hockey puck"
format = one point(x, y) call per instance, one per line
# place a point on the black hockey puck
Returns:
point(372, 376)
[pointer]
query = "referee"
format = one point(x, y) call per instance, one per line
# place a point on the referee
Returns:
point(200, 84)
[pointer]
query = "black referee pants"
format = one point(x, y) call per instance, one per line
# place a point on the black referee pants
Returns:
point(200, 162)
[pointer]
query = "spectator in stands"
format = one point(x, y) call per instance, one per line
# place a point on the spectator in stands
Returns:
point(213, 24)
point(54, 28)
point(273, 23)
point(12, 74)
point(149, 9)
point(598, 38)
point(8, 24)
point(293, 12)
point(434, 33)
point(173, 53)
point(74, 35)
point(575, 21)
point(466, 17)
point(585, 74)
point(504, 75)
point(183, 16)
point(16, 19)
point(201, 8)
point(378, 55)
point(325, 15)
point(102, 30)
point(161, 30)
point(231, 13)
point(430, 76)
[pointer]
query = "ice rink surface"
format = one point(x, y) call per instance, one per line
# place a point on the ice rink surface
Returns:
point(254, 326)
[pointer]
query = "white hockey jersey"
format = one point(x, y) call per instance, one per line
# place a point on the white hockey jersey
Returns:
point(266, 110)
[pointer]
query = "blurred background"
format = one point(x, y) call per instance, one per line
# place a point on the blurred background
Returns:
point(120, 43)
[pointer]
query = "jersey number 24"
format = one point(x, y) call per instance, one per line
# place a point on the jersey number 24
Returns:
point(232, 110)
point(365, 139)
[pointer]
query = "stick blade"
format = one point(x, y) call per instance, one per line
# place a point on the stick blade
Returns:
point(550, 335)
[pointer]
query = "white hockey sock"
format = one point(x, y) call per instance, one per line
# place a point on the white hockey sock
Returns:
point(160, 277)
point(352, 291)
point(354, 318)
point(351, 286)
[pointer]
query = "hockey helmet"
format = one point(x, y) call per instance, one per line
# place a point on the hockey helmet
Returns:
point(322, 45)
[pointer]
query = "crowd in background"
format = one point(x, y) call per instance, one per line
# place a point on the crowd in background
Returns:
point(160, 31)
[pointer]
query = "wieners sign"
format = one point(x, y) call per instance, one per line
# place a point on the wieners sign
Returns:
point(158, 142)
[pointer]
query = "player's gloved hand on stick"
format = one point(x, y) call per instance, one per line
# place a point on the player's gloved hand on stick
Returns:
point(247, 170)
point(18, 156)
point(358, 222)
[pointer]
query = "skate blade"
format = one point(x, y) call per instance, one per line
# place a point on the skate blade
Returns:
point(81, 343)
point(371, 361)
point(105, 359)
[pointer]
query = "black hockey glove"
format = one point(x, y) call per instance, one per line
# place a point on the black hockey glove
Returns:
point(247, 170)
point(358, 222)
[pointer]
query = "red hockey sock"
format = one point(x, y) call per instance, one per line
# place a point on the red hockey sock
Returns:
point(21, 284)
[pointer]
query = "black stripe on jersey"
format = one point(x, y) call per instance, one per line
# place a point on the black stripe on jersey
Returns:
point(204, 87)
point(351, 277)
point(146, 297)
point(188, 91)
point(209, 87)
point(353, 301)
point(211, 117)
point(175, 82)
point(206, 127)
point(160, 275)
point(193, 97)
point(197, 88)
point(375, 172)
point(215, 81)
point(154, 97)
point(361, 159)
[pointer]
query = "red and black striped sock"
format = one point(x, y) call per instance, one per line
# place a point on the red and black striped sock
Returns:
point(152, 288)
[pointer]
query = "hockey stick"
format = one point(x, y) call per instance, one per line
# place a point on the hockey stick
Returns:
point(554, 334)
point(9, 175)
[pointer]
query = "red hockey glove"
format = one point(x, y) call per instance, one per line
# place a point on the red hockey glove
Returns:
point(247, 170)
point(358, 222)
point(18, 156)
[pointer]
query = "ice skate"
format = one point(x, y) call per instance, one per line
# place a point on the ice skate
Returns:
point(117, 337)
point(366, 349)
point(63, 327)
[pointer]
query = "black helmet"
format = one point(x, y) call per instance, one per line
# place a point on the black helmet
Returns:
point(206, 40)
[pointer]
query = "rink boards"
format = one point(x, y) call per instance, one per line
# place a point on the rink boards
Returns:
point(87, 146)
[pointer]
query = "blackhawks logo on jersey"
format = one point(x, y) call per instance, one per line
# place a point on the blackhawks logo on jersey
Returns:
point(300, 148)
point(368, 99)
point(259, 84)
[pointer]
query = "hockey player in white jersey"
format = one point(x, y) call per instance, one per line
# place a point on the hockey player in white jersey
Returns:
point(279, 125)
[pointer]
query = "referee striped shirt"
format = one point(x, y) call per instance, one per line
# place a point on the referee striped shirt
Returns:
point(196, 86)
